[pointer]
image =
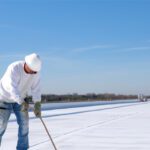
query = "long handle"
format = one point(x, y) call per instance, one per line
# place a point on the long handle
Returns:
point(48, 133)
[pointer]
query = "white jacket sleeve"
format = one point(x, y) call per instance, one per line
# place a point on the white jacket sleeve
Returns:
point(36, 89)
point(10, 84)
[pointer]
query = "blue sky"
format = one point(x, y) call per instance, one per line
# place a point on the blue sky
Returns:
point(87, 46)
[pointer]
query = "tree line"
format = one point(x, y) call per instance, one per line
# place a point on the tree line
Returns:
point(85, 97)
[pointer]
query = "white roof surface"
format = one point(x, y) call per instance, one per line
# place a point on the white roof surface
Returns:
point(104, 127)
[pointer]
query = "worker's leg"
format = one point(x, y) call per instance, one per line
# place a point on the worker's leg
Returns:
point(23, 131)
point(5, 111)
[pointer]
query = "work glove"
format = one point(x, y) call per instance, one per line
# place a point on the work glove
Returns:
point(24, 107)
point(37, 109)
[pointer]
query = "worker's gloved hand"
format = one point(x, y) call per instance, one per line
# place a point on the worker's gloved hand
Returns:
point(37, 109)
point(24, 107)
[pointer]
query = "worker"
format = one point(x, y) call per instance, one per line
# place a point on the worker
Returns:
point(21, 77)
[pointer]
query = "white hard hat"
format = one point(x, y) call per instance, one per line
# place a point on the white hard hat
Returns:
point(34, 62)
